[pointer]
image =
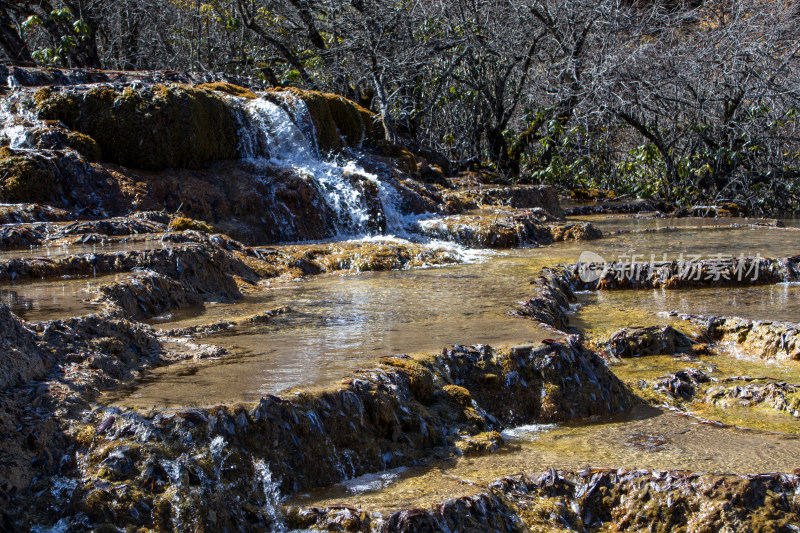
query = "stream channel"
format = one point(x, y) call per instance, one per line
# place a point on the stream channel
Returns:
point(339, 323)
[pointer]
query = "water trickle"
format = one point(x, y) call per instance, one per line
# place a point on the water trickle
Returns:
point(280, 136)
point(16, 122)
point(272, 496)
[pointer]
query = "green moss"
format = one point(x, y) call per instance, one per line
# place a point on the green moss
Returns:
point(405, 159)
point(25, 179)
point(338, 121)
point(149, 128)
point(58, 138)
point(459, 395)
point(420, 379)
point(184, 223)
point(229, 88)
point(84, 145)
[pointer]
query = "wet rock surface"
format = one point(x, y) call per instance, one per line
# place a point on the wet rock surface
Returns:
point(400, 414)
point(147, 295)
point(505, 230)
point(766, 340)
point(550, 303)
point(543, 197)
point(654, 340)
point(21, 359)
point(593, 500)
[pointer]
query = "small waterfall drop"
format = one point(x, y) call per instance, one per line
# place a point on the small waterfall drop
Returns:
point(16, 122)
point(272, 496)
point(278, 133)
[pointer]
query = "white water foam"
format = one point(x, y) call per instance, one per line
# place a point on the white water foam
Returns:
point(272, 496)
point(281, 137)
point(372, 482)
point(527, 433)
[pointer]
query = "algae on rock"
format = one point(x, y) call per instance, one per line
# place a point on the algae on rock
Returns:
point(148, 128)
point(23, 178)
point(338, 121)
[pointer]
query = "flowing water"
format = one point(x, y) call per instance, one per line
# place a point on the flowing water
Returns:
point(280, 135)
point(341, 323)
point(646, 438)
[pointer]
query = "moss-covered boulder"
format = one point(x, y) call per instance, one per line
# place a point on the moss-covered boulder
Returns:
point(339, 122)
point(152, 127)
point(57, 138)
point(229, 88)
point(183, 223)
point(24, 178)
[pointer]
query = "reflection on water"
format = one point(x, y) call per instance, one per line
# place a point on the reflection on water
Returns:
point(341, 323)
point(647, 438)
point(615, 223)
point(603, 312)
point(141, 243)
point(51, 300)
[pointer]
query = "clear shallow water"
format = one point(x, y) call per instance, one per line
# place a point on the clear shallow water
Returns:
point(54, 299)
point(342, 323)
point(75, 249)
point(646, 438)
point(606, 311)
point(614, 223)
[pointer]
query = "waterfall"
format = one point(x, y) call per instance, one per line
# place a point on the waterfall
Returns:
point(272, 496)
point(16, 122)
point(279, 133)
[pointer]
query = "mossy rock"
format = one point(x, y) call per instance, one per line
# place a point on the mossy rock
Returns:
point(420, 379)
point(59, 138)
point(184, 223)
point(338, 121)
point(458, 395)
point(148, 128)
point(24, 179)
point(229, 88)
point(405, 159)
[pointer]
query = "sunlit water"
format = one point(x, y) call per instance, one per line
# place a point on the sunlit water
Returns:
point(338, 324)
point(646, 438)
point(55, 299)
point(55, 252)
point(605, 311)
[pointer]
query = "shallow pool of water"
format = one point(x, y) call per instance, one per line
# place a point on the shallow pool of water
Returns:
point(54, 299)
point(342, 323)
point(625, 223)
point(76, 249)
point(647, 438)
point(603, 312)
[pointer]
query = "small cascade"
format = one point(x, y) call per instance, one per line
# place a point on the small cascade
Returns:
point(17, 122)
point(279, 134)
point(272, 496)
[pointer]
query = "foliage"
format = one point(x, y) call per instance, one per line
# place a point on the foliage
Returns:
point(685, 101)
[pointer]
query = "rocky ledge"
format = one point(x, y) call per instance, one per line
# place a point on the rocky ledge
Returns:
point(506, 230)
point(125, 467)
point(592, 500)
